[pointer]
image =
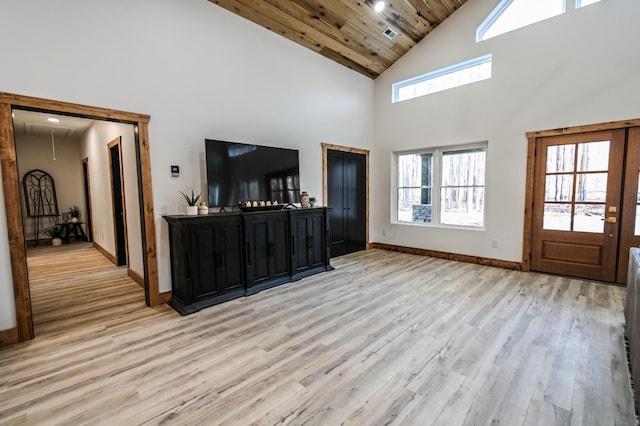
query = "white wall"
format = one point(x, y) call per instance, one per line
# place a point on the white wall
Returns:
point(199, 71)
point(94, 148)
point(582, 67)
point(35, 152)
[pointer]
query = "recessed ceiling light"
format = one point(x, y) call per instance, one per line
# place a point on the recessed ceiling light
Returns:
point(379, 6)
point(53, 120)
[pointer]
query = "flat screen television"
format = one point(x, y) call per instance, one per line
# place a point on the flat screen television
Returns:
point(238, 172)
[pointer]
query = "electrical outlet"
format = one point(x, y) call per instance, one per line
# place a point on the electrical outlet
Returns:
point(495, 243)
point(384, 232)
point(162, 209)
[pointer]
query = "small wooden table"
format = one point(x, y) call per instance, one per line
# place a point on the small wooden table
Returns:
point(72, 228)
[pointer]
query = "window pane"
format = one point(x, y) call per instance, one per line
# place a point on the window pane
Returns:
point(463, 168)
point(459, 203)
point(593, 156)
point(589, 218)
point(582, 3)
point(591, 187)
point(410, 206)
point(414, 170)
point(276, 184)
point(517, 14)
point(560, 158)
point(467, 72)
point(462, 206)
point(557, 217)
point(558, 188)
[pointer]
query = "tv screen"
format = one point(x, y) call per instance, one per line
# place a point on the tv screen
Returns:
point(238, 172)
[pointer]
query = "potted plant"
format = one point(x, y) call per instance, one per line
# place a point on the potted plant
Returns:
point(74, 212)
point(56, 235)
point(312, 201)
point(192, 201)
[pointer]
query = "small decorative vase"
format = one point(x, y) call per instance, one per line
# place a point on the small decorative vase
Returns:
point(304, 199)
point(192, 210)
point(74, 219)
point(203, 209)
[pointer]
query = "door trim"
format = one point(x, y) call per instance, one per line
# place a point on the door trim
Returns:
point(10, 182)
point(532, 138)
point(629, 202)
point(326, 147)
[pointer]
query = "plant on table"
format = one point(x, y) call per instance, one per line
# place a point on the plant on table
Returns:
point(74, 211)
point(190, 196)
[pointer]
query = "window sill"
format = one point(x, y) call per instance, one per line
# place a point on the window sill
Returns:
point(440, 226)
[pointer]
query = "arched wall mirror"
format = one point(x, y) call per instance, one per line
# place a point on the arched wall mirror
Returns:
point(39, 194)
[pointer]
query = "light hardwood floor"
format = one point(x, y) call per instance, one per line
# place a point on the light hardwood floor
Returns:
point(386, 338)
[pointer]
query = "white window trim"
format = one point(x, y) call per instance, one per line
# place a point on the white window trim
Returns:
point(395, 87)
point(436, 185)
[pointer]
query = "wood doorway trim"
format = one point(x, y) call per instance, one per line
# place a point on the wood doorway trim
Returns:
point(10, 182)
point(532, 138)
point(326, 147)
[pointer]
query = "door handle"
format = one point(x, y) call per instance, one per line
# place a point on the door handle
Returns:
point(611, 219)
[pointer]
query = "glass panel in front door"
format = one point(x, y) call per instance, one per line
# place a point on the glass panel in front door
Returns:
point(576, 187)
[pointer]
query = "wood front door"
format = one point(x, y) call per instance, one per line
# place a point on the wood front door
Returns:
point(577, 209)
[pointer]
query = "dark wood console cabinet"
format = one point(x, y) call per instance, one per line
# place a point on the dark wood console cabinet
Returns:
point(219, 257)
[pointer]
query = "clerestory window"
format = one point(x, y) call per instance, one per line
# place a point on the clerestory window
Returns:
point(510, 15)
point(582, 3)
point(466, 72)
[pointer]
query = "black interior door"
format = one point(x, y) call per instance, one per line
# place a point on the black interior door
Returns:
point(118, 204)
point(87, 198)
point(346, 192)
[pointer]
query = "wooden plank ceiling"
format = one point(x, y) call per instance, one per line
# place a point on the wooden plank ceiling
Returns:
point(349, 32)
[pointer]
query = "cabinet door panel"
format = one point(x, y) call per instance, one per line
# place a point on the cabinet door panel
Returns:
point(230, 271)
point(259, 246)
point(300, 237)
point(203, 270)
point(316, 249)
point(280, 247)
